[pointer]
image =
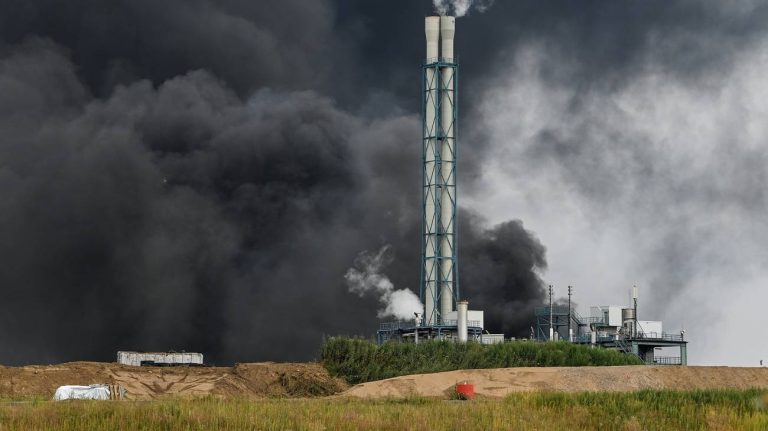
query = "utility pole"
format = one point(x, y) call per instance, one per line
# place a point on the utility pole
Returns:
point(570, 331)
point(551, 321)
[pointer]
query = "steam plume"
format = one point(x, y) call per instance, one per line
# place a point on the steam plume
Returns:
point(366, 278)
point(460, 8)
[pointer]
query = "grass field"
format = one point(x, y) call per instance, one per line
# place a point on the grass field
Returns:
point(360, 361)
point(648, 410)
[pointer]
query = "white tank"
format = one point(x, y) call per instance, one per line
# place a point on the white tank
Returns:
point(627, 314)
point(462, 308)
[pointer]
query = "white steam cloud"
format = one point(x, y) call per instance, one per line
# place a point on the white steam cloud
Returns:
point(366, 278)
point(460, 8)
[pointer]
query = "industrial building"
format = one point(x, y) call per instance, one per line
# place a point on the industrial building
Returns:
point(613, 327)
point(445, 316)
point(159, 359)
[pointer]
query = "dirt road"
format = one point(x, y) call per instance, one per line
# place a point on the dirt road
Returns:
point(501, 382)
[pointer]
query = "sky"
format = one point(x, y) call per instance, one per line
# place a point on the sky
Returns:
point(201, 175)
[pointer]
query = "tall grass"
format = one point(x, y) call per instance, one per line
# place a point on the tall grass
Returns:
point(649, 410)
point(360, 361)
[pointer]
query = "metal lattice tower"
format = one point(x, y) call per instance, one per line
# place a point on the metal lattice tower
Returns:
point(439, 280)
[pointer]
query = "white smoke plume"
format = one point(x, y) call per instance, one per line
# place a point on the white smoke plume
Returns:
point(460, 8)
point(366, 277)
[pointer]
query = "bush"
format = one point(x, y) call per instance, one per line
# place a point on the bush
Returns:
point(359, 361)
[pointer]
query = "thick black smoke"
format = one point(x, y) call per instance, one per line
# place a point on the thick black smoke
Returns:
point(248, 44)
point(181, 215)
point(500, 270)
point(199, 175)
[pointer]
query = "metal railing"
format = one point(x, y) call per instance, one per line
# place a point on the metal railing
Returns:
point(665, 360)
point(663, 337)
point(556, 309)
point(394, 326)
point(442, 60)
point(586, 338)
point(470, 323)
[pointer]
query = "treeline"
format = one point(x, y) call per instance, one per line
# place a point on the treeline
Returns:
point(359, 361)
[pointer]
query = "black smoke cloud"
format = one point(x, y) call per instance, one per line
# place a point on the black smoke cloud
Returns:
point(501, 273)
point(199, 175)
point(178, 214)
point(285, 44)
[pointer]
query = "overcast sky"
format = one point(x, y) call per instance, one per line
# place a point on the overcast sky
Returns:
point(200, 175)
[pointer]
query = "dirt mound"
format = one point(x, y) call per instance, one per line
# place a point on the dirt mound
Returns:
point(293, 380)
point(501, 382)
point(310, 380)
point(242, 380)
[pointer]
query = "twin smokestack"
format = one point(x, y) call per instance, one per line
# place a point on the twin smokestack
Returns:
point(440, 288)
point(437, 28)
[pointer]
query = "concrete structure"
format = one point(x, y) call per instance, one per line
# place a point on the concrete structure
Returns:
point(439, 282)
point(138, 359)
point(444, 317)
point(429, 288)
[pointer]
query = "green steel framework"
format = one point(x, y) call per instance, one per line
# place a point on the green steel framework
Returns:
point(436, 133)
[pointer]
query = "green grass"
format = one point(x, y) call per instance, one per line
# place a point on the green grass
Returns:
point(360, 361)
point(647, 410)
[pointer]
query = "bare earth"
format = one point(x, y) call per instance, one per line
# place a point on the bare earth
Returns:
point(143, 383)
point(501, 382)
point(312, 380)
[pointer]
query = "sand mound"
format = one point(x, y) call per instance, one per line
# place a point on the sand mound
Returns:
point(501, 382)
point(242, 380)
point(310, 380)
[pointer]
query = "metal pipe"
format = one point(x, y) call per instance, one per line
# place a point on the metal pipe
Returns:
point(570, 331)
point(551, 317)
point(634, 297)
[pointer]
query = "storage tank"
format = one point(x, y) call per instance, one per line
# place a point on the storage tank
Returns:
point(463, 308)
point(627, 314)
point(628, 319)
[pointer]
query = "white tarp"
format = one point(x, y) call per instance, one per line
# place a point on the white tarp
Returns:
point(92, 392)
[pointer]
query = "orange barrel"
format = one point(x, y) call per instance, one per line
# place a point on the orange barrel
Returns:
point(465, 390)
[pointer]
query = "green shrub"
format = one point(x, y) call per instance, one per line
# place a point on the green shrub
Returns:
point(358, 360)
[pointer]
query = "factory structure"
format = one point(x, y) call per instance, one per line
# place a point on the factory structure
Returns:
point(614, 327)
point(446, 316)
point(160, 359)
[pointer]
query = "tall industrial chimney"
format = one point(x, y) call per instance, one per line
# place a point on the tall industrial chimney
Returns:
point(447, 168)
point(439, 281)
point(429, 292)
